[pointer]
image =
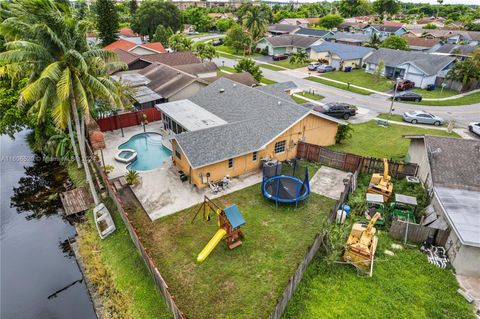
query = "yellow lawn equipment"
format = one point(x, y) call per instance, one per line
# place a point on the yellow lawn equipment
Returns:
point(361, 245)
point(382, 184)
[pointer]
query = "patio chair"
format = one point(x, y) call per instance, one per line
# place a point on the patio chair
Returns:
point(214, 187)
point(225, 181)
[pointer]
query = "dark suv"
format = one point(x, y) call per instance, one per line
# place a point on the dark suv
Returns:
point(338, 110)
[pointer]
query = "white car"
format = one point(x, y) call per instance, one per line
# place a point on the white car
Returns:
point(474, 127)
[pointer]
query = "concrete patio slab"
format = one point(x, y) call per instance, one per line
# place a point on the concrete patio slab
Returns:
point(328, 182)
point(472, 286)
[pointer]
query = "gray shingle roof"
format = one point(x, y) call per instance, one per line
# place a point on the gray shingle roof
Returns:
point(429, 63)
point(172, 58)
point(291, 40)
point(382, 27)
point(344, 51)
point(361, 37)
point(244, 78)
point(282, 28)
point(254, 119)
point(198, 68)
point(451, 48)
point(313, 32)
point(279, 89)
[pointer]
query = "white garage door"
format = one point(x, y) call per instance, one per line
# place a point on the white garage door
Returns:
point(336, 64)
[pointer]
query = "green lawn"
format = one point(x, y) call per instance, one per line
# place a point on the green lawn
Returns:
point(338, 85)
point(241, 283)
point(394, 117)
point(403, 286)
point(286, 64)
point(369, 139)
point(311, 96)
point(267, 81)
point(299, 100)
point(466, 100)
point(220, 73)
point(226, 49)
point(360, 78)
point(270, 67)
point(226, 55)
point(228, 69)
point(437, 94)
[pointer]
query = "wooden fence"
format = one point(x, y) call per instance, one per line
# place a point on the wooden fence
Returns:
point(293, 282)
point(157, 277)
point(128, 119)
point(417, 233)
point(351, 162)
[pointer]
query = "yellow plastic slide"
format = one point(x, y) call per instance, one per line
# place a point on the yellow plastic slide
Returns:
point(211, 245)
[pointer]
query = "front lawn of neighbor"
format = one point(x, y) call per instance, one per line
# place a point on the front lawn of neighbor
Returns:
point(228, 69)
point(393, 117)
point(405, 285)
point(270, 67)
point(360, 78)
point(226, 49)
point(473, 98)
point(436, 94)
point(369, 139)
point(241, 283)
point(286, 64)
point(299, 100)
point(338, 85)
point(311, 96)
point(267, 81)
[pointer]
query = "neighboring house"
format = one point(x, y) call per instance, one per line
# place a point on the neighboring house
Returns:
point(350, 26)
point(394, 24)
point(200, 70)
point(449, 36)
point(244, 78)
point(423, 44)
point(229, 128)
point(139, 49)
point(352, 38)
point(137, 62)
point(360, 19)
point(285, 44)
point(384, 30)
point(301, 22)
point(281, 29)
point(421, 68)
point(340, 55)
point(437, 21)
point(457, 50)
point(316, 33)
point(449, 168)
point(126, 33)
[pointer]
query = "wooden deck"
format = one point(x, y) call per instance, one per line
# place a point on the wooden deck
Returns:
point(76, 200)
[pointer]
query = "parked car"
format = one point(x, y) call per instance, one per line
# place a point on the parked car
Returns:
point(404, 85)
point(423, 117)
point(474, 127)
point(278, 57)
point(325, 68)
point(312, 66)
point(408, 96)
point(338, 110)
point(217, 42)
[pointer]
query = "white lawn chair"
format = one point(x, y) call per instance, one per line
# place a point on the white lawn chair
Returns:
point(214, 187)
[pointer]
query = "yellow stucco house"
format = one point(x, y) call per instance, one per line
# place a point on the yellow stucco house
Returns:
point(228, 128)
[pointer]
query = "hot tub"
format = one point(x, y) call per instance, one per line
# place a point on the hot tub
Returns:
point(126, 155)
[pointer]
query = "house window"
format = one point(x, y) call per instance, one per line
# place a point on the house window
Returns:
point(177, 154)
point(230, 163)
point(254, 156)
point(280, 147)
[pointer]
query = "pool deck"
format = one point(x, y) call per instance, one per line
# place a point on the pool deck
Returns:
point(160, 191)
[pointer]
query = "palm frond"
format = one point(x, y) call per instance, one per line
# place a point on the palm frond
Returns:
point(80, 95)
point(64, 85)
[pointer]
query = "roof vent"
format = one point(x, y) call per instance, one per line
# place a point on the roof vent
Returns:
point(234, 84)
point(279, 102)
point(222, 90)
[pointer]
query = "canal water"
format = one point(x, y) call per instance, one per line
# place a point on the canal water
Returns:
point(35, 263)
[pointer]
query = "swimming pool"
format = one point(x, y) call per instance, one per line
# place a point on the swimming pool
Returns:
point(150, 151)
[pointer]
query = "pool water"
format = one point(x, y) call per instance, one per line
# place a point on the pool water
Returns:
point(150, 151)
point(125, 154)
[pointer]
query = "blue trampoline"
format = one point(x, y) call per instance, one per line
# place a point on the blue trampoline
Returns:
point(286, 189)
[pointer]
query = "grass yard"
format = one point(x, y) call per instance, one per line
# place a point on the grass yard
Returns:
point(267, 81)
point(465, 100)
point(228, 69)
point(286, 64)
point(270, 67)
point(311, 96)
point(338, 85)
point(369, 139)
point(403, 286)
point(394, 117)
point(437, 94)
point(240, 283)
point(299, 100)
point(360, 78)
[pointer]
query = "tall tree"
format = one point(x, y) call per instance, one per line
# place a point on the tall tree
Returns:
point(205, 51)
point(151, 13)
point(162, 34)
point(395, 42)
point(467, 70)
point(198, 17)
point(224, 24)
point(65, 74)
point(179, 42)
point(375, 41)
point(248, 65)
point(237, 38)
point(255, 21)
point(330, 21)
point(386, 6)
point(133, 6)
point(353, 8)
point(107, 21)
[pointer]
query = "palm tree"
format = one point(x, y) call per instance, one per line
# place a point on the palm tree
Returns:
point(256, 22)
point(375, 41)
point(65, 74)
point(300, 57)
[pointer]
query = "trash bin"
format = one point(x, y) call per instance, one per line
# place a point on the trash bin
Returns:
point(347, 69)
point(431, 87)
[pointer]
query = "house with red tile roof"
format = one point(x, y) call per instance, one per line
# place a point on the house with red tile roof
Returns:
point(139, 49)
